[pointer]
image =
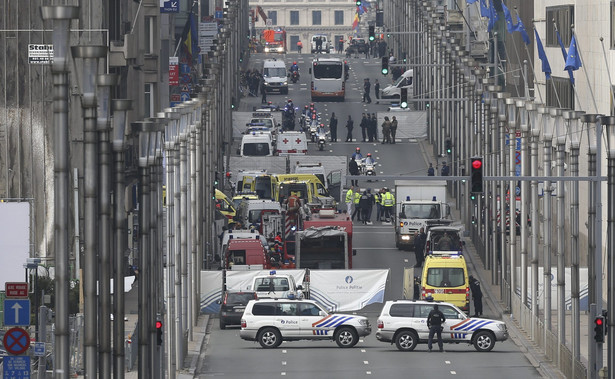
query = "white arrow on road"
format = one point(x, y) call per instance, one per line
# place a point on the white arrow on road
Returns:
point(16, 307)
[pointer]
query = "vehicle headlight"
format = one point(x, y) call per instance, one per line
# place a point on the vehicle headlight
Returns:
point(405, 238)
point(502, 327)
point(266, 50)
point(364, 322)
point(280, 49)
point(285, 83)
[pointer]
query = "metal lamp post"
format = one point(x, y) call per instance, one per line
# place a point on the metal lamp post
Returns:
point(547, 139)
point(119, 107)
point(61, 16)
point(534, 134)
point(609, 123)
point(501, 160)
point(511, 110)
point(524, 126)
point(89, 56)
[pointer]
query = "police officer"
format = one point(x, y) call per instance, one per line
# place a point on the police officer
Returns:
point(378, 200)
point(349, 200)
point(477, 296)
point(388, 201)
point(435, 319)
point(431, 171)
point(357, 208)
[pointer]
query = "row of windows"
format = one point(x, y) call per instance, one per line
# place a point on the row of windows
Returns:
point(316, 17)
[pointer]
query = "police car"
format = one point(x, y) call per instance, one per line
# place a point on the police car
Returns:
point(404, 322)
point(271, 321)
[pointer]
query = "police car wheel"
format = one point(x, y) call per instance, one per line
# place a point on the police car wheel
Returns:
point(269, 338)
point(346, 337)
point(484, 341)
point(406, 340)
point(222, 325)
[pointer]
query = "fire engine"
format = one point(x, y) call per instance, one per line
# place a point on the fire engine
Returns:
point(274, 40)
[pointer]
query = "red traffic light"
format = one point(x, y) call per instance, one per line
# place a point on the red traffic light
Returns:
point(477, 163)
point(599, 321)
point(158, 324)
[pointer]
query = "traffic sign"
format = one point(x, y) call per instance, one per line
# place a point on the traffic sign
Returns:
point(16, 289)
point(39, 349)
point(167, 6)
point(16, 341)
point(17, 367)
point(16, 312)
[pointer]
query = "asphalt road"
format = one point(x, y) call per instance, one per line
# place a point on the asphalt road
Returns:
point(229, 356)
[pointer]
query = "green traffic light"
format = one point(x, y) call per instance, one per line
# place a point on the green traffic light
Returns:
point(371, 38)
point(404, 104)
point(385, 71)
point(358, 3)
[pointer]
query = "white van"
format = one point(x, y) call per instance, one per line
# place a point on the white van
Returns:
point(292, 143)
point(326, 44)
point(393, 92)
point(257, 144)
point(312, 168)
point(275, 76)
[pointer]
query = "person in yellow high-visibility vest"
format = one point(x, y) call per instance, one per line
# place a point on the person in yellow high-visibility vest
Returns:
point(357, 209)
point(349, 200)
point(388, 202)
point(378, 199)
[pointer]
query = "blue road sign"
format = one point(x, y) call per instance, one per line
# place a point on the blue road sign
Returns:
point(39, 349)
point(185, 96)
point(16, 312)
point(169, 6)
point(17, 367)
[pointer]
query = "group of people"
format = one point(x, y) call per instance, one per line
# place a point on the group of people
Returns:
point(367, 85)
point(369, 128)
point(251, 80)
point(444, 171)
point(360, 204)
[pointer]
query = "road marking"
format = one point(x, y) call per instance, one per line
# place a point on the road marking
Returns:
point(453, 372)
point(447, 362)
point(283, 373)
point(405, 260)
point(283, 363)
point(283, 351)
point(368, 372)
point(363, 350)
point(360, 340)
point(365, 362)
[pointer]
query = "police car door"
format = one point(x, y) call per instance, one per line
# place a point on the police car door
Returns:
point(457, 326)
point(287, 319)
point(315, 322)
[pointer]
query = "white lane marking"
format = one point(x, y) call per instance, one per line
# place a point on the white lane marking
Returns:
point(368, 372)
point(365, 362)
point(447, 362)
point(363, 350)
point(405, 260)
point(377, 248)
point(361, 341)
point(283, 363)
point(453, 372)
point(283, 373)
point(283, 351)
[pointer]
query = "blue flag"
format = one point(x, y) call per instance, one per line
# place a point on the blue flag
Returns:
point(508, 17)
point(471, 1)
point(546, 67)
point(565, 54)
point(493, 16)
point(573, 60)
point(521, 29)
point(484, 11)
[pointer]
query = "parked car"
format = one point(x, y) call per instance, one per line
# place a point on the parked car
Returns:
point(232, 305)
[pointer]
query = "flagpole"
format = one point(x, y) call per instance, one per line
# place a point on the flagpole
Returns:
point(534, 71)
point(574, 87)
point(591, 92)
point(608, 71)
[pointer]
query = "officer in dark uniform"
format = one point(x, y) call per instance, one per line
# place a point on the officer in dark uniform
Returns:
point(477, 296)
point(434, 323)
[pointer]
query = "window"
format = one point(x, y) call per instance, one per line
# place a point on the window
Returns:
point(149, 99)
point(339, 17)
point(316, 18)
point(328, 70)
point(294, 17)
point(264, 309)
point(273, 16)
point(307, 309)
point(565, 93)
point(564, 17)
point(450, 313)
point(150, 36)
point(287, 309)
point(445, 277)
point(402, 310)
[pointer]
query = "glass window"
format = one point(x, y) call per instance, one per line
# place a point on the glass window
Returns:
point(294, 17)
point(256, 149)
point(273, 16)
point(307, 309)
point(564, 95)
point(274, 72)
point(262, 187)
point(339, 17)
point(423, 311)
point(328, 70)
point(445, 277)
point(264, 309)
point(450, 313)
point(240, 298)
point(402, 310)
point(422, 211)
point(316, 18)
point(563, 17)
point(287, 309)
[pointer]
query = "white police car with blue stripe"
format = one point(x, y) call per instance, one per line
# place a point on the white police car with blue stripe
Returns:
point(271, 321)
point(404, 322)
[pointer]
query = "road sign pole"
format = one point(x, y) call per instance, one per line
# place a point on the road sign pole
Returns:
point(42, 337)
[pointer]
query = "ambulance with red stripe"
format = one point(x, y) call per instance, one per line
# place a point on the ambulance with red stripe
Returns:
point(445, 278)
point(404, 323)
point(272, 321)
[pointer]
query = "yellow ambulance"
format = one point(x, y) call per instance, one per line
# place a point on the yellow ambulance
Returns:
point(445, 278)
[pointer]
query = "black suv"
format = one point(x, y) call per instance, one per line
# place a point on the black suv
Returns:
point(232, 306)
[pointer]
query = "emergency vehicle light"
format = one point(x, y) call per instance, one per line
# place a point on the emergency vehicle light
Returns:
point(407, 198)
point(272, 272)
point(433, 199)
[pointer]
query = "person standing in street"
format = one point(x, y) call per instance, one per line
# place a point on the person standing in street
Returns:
point(372, 200)
point(374, 126)
point(388, 202)
point(364, 205)
point(378, 200)
point(477, 296)
point(353, 169)
point(349, 126)
point(366, 87)
point(393, 129)
point(386, 130)
point(299, 46)
point(333, 127)
point(419, 246)
point(377, 91)
point(263, 92)
point(445, 171)
point(431, 171)
point(435, 319)
point(357, 209)
point(349, 200)
point(364, 125)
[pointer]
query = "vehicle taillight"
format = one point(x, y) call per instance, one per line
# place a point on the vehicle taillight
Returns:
point(467, 293)
point(380, 324)
point(243, 323)
point(312, 85)
point(427, 245)
point(225, 297)
point(343, 86)
point(423, 292)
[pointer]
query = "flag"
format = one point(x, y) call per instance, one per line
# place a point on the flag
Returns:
point(471, 1)
point(508, 17)
point(360, 10)
point(355, 23)
point(262, 13)
point(190, 44)
point(493, 16)
point(573, 60)
point(546, 67)
point(565, 54)
point(484, 11)
point(521, 29)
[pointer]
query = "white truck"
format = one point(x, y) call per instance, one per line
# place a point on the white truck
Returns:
point(417, 203)
point(393, 92)
point(274, 285)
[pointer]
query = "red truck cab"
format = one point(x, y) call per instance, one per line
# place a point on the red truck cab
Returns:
point(245, 254)
point(329, 217)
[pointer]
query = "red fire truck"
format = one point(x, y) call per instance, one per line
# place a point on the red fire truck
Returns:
point(274, 40)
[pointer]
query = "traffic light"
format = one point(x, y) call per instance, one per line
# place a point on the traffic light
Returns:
point(159, 332)
point(216, 179)
point(476, 175)
point(372, 32)
point(449, 146)
point(403, 98)
point(358, 3)
point(599, 329)
point(385, 65)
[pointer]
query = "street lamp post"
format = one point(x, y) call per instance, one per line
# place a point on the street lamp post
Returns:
point(86, 80)
point(547, 139)
point(609, 123)
point(119, 107)
point(502, 118)
point(524, 126)
point(534, 133)
point(511, 109)
point(61, 16)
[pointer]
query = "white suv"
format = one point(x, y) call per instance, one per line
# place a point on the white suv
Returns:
point(271, 321)
point(404, 322)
